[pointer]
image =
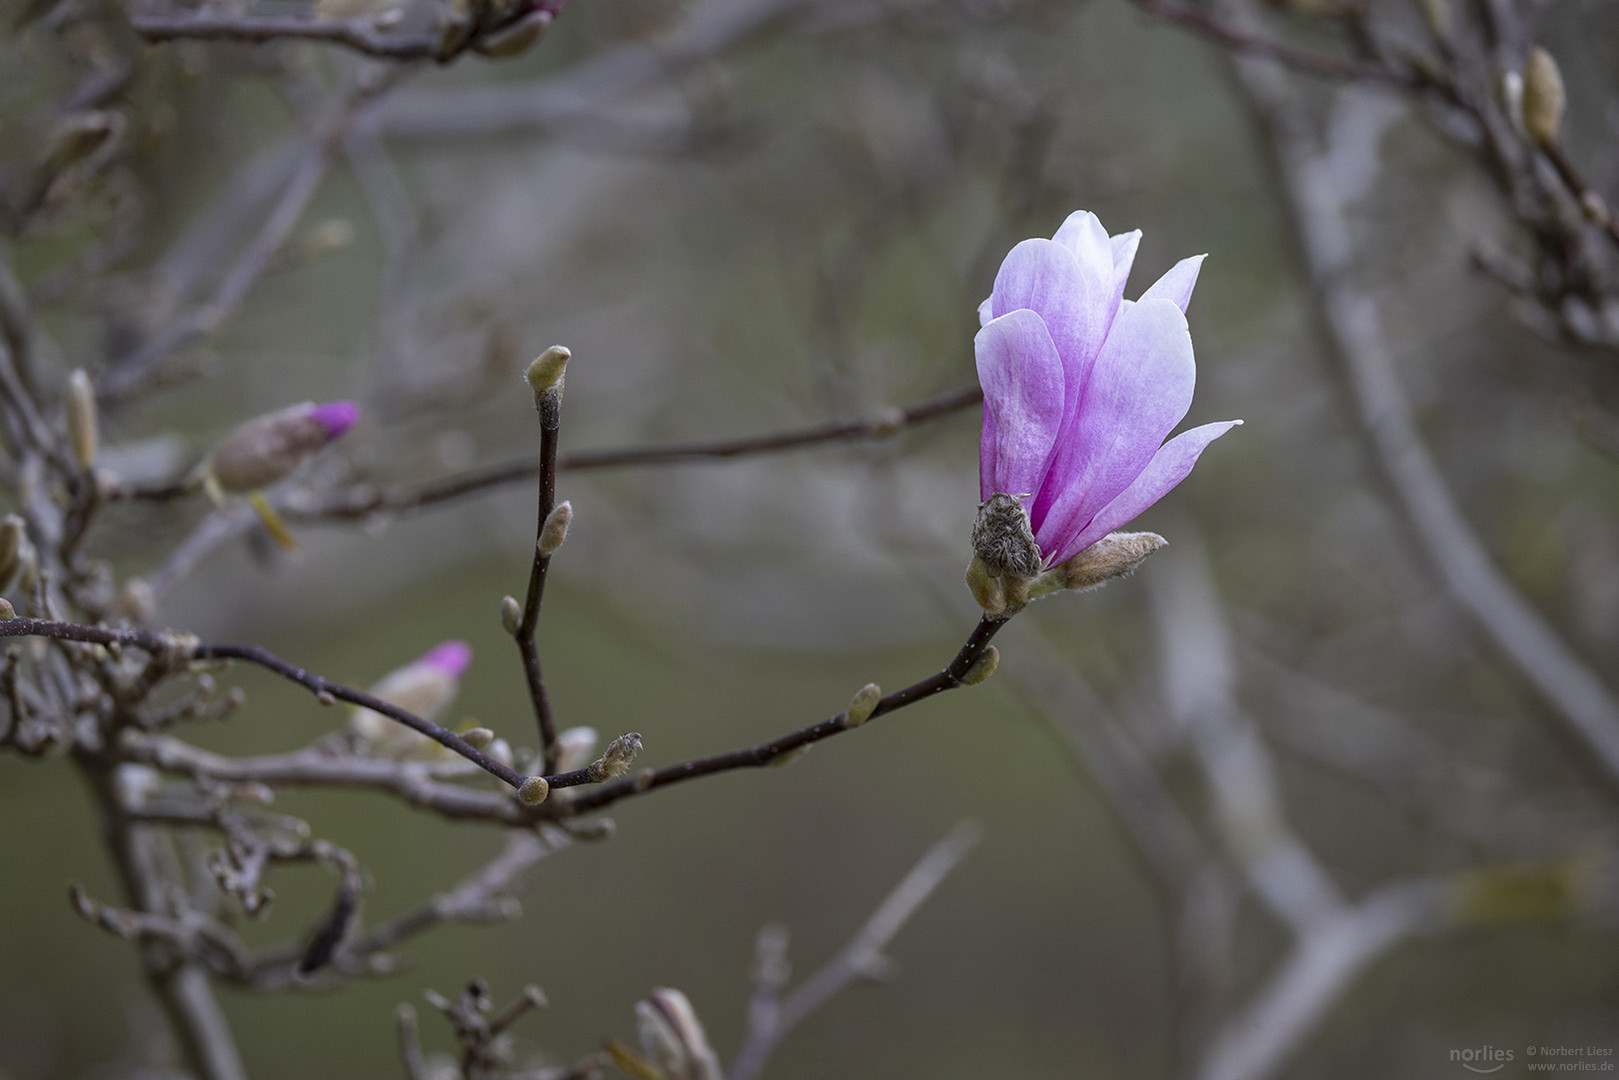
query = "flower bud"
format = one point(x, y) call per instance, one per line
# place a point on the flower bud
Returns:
point(271, 447)
point(534, 791)
point(673, 1038)
point(82, 424)
point(545, 374)
point(511, 614)
point(1115, 555)
point(862, 705)
point(425, 686)
point(1543, 97)
point(1003, 538)
point(7, 612)
point(983, 667)
point(555, 529)
point(478, 737)
point(616, 760)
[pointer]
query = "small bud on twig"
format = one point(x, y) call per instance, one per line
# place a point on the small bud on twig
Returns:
point(7, 612)
point(534, 790)
point(555, 529)
point(83, 428)
point(546, 373)
point(511, 614)
point(1543, 97)
point(1115, 555)
point(478, 737)
point(616, 759)
point(862, 705)
point(983, 667)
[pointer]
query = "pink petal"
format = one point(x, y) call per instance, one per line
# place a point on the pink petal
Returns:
point(1176, 286)
point(449, 658)
point(986, 311)
point(336, 417)
point(1169, 466)
point(1124, 257)
point(1072, 297)
point(1083, 234)
point(1139, 389)
point(1022, 376)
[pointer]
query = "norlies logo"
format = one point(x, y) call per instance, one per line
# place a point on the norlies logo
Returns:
point(1483, 1059)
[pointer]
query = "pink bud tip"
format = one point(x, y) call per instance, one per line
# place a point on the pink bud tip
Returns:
point(336, 417)
point(449, 658)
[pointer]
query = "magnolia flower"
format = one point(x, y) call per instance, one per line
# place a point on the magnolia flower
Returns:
point(425, 686)
point(1080, 389)
point(271, 447)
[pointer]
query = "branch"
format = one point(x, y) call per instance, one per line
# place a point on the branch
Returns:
point(359, 34)
point(752, 757)
point(1241, 40)
point(179, 649)
point(862, 956)
point(365, 499)
point(549, 405)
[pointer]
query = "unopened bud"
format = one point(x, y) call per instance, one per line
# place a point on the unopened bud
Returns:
point(1115, 555)
point(555, 529)
point(477, 737)
point(616, 759)
point(534, 790)
point(673, 1037)
point(983, 667)
point(511, 614)
point(83, 428)
point(1003, 538)
point(862, 705)
point(545, 374)
point(7, 612)
point(1543, 97)
point(269, 448)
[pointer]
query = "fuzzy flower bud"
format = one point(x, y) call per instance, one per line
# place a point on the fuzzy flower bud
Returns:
point(862, 705)
point(673, 1038)
point(546, 373)
point(1543, 97)
point(983, 667)
point(83, 428)
point(425, 686)
point(555, 529)
point(478, 737)
point(617, 758)
point(534, 791)
point(511, 614)
point(271, 447)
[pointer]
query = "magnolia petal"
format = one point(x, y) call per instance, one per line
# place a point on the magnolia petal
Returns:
point(986, 310)
point(1084, 235)
point(1124, 257)
point(1139, 389)
point(1022, 376)
point(1168, 467)
point(1176, 285)
point(1046, 277)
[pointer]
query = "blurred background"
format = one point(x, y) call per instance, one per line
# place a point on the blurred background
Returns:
point(747, 216)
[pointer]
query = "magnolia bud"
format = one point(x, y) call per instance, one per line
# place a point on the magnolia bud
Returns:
point(546, 372)
point(1543, 97)
point(511, 614)
point(983, 667)
point(555, 529)
point(477, 737)
point(1003, 538)
point(673, 1037)
point(425, 686)
point(269, 448)
point(616, 759)
point(1115, 555)
point(82, 425)
point(862, 705)
point(534, 791)
point(7, 612)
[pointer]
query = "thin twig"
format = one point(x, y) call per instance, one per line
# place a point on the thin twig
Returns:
point(549, 406)
point(861, 956)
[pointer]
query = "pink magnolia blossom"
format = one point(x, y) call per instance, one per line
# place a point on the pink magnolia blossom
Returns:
point(1082, 386)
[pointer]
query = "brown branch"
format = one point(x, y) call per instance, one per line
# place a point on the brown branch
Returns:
point(364, 499)
point(180, 649)
point(752, 757)
point(359, 34)
point(549, 405)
